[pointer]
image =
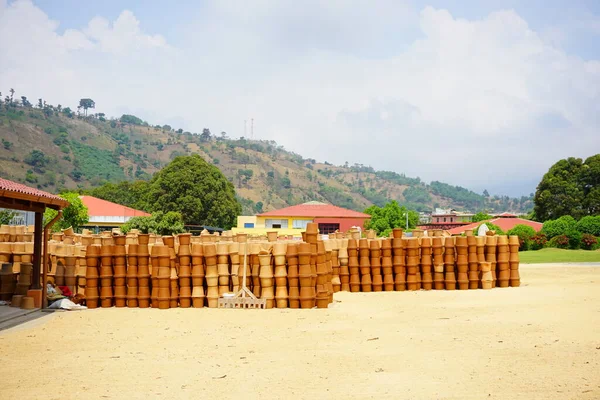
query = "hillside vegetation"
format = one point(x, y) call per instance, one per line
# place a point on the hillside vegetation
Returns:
point(54, 148)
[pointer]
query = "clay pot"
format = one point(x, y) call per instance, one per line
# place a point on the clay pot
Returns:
point(27, 303)
point(322, 301)
point(17, 300)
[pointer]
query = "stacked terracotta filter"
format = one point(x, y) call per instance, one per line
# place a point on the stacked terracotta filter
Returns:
point(473, 262)
point(490, 255)
point(413, 276)
point(92, 261)
point(184, 255)
point(120, 271)
point(398, 260)
point(169, 241)
point(515, 278)
point(234, 257)
point(332, 250)
point(426, 263)
point(161, 274)
point(462, 262)
point(211, 274)
point(280, 274)
point(437, 248)
point(364, 261)
point(255, 268)
point(502, 262)
point(486, 274)
point(132, 275)
point(198, 274)
point(323, 280)
point(387, 268)
point(329, 269)
point(344, 270)
point(7, 282)
point(376, 277)
point(307, 288)
point(449, 260)
point(223, 266)
point(24, 282)
point(293, 276)
point(266, 278)
point(59, 272)
point(353, 266)
point(143, 271)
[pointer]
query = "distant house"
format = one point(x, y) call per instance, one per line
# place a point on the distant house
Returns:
point(504, 221)
point(447, 219)
point(292, 220)
point(105, 214)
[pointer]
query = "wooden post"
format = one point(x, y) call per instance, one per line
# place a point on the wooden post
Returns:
point(37, 250)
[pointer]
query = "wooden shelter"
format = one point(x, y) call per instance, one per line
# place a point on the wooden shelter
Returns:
point(17, 196)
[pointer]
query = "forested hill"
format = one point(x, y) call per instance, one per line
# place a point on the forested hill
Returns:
point(54, 148)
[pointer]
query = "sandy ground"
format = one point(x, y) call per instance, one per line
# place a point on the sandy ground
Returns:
point(539, 341)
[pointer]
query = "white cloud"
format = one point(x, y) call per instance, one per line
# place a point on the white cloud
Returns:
point(479, 103)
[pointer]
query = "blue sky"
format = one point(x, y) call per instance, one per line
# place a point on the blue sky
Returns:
point(484, 94)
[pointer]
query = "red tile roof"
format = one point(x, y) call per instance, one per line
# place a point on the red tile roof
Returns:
point(505, 215)
point(16, 190)
point(315, 210)
point(102, 208)
point(505, 224)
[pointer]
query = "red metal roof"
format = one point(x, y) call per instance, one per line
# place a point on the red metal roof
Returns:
point(102, 208)
point(17, 190)
point(505, 215)
point(315, 210)
point(505, 224)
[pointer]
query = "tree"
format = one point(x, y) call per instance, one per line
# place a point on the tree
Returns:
point(12, 93)
point(74, 215)
point(486, 193)
point(67, 111)
point(481, 216)
point(6, 216)
point(131, 119)
point(205, 135)
point(390, 216)
point(6, 144)
point(258, 207)
point(40, 104)
point(570, 187)
point(37, 160)
point(196, 189)
point(25, 102)
point(163, 224)
point(87, 103)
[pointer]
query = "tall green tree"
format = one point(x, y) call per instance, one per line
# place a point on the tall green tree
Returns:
point(87, 103)
point(390, 216)
point(74, 215)
point(570, 187)
point(196, 189)
point(481, 216)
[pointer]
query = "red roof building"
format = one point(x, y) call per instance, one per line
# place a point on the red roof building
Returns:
point(105, 213)
point(18, 191)
point(505, 223)
point(329, 217)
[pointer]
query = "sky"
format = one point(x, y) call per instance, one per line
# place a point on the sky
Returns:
point(484, 94)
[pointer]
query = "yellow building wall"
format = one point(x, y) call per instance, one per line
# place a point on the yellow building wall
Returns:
point(260, 229)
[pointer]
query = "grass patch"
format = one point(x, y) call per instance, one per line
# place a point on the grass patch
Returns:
point(96, 163)
point(552, 255)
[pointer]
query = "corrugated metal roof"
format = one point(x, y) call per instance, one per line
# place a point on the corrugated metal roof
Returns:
point(505, 224)
point(98, 207)
point(311, 209)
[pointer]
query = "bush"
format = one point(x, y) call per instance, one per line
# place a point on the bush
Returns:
point(525, 233)
point(560, 242)
point(588, 242)
point(589, 225)
point(574, 239)
point(559, 226)
point(538, 241)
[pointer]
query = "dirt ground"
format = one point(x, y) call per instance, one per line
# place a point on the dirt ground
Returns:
point(539, 341)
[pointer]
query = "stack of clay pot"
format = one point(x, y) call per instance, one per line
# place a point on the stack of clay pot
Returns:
point(211, 274)
point(120, 271)
point(7, 282)
point(307, 288)
point(59, 271)
point(413, 276)
point(234, 257)
point(255, 268)
point(5, 252)
point(426, 263)
point(462, 262)
point(353, 266)
point(280, 274)
point(106, 275)
point(223, 266)
point(265, 274)
point(449, 260)
point(132, 275)
point(161, 274)
point(92, 261)
point(376, 277)
point(344, 273)
point(143, 270)
point(490, 255)
point(331, 247)
point(24, 282)
point(169, 241)
point(364, 260)
point(198, 274)
point(502, 262)
point(70, 276)
point(184, 273)
point(486, 274)
point(473, 261)
point(387, 267)
point(293, 274)
point(437, 247)
point(398, 260)
point(323, 279)
point(513, 244)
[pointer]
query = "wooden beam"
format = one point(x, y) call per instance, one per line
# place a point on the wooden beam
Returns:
point(23, 205)
point(37, 250)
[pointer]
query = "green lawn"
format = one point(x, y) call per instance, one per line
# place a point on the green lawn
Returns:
point(558, 256)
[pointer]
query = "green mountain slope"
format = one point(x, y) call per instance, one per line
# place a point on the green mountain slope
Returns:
point(54, 150)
